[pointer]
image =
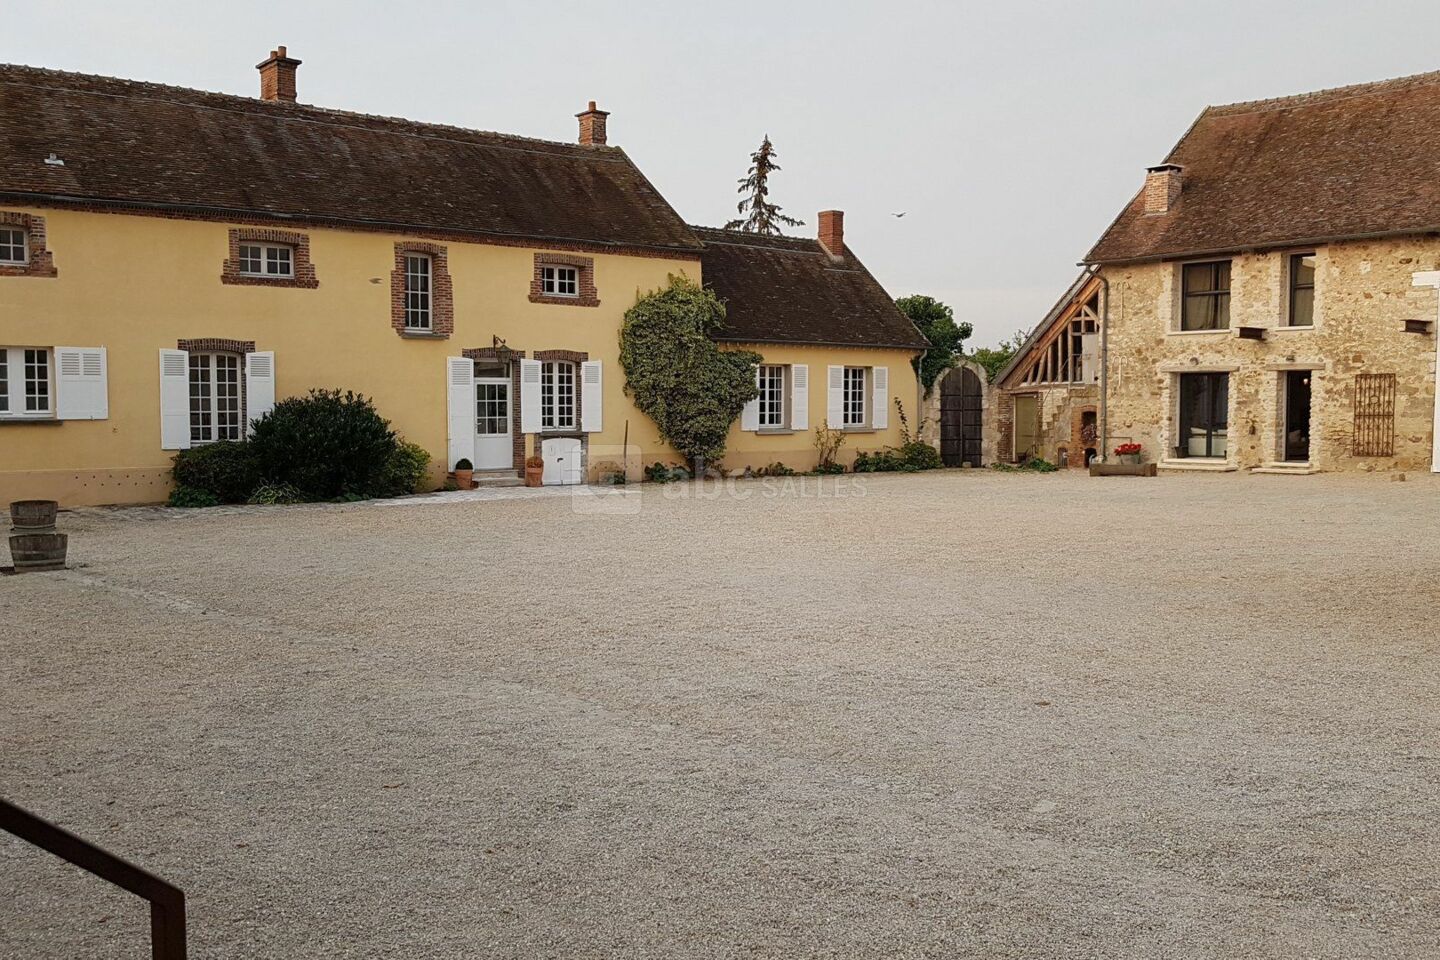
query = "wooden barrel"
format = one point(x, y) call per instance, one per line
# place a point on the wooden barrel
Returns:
point(38, 551)
point(28, 515)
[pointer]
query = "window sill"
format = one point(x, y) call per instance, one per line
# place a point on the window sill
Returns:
point(422, 335)
point(1309, 329)
point(1221, 332)
point(565, 301)
point(6, 420)
point(858, 430)
point(776, 432)
point(250, 280)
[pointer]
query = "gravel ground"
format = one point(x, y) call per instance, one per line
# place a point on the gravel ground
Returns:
point(941, 715)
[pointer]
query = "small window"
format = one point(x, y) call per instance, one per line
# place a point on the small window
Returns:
point(25, 385)
point(12, 246)
point(853, 397)
point(1302, 290)
point(215, 397)
point(560, 281)
point(272, 260)
point(417, 291)
point(771, 380)
point(1205, 303)
point(557, 395)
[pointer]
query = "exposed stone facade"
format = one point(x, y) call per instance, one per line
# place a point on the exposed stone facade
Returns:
point(1066, 423)
point(1363, 295)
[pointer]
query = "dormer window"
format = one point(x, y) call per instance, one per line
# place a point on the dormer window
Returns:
point(271, 260)
point(558, 281)
point(13, 247)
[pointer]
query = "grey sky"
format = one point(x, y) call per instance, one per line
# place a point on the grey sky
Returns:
point(1010, 133)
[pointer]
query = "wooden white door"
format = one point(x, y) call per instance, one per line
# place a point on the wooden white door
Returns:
point(493, 449)
point(562, 461)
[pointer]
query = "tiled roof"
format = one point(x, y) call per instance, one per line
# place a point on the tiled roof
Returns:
point(148, 145)
point(789, 290)
point(1345, 163)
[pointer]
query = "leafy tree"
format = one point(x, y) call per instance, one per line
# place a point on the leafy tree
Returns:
point(763, 216)
point(993, 359)
point(937, 322)
point(677, 374)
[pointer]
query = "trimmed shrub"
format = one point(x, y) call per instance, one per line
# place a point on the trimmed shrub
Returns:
point(920, 455)
point(227, 470)
point(405, 468)
point(183, 496)
point(327, 444)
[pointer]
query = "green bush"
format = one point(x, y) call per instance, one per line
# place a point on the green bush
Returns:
point(405, 468)
point(920, 455)
point(776, 469)
point(1033, 465)
point(183, 496)
point(275, 493)
point(829, 468)
point(326, 445)
point(910, 457)
point(661, 473)
point(227, 470)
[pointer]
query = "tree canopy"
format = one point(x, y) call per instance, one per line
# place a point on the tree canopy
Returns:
point(937, 322)
point(993, 359)
point(760, 215)
point(678, 376)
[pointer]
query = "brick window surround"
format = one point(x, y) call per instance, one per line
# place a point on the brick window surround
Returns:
point(304, 277)
point(41, 262)
point(517, 437)
point(568, 356)
point(442, 294)
point(585, 267)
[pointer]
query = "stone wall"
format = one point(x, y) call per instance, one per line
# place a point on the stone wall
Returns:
point(1363, 295)
point(1062, 412)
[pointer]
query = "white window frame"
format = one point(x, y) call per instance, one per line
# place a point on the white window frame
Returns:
point(24, 246)
point(854, 398)
point(263, 271)
point(489, 409)
point(205, 425)
point(554, 277)
point(554, 413)
point(16, 380)
point(419, 312)
point(771, 380)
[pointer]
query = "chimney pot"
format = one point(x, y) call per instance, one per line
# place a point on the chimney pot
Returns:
point(832, 232)
point(1163, 184)
point(277, 76)
point(592, 126)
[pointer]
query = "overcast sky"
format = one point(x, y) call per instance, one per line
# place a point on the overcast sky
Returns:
point(1010, 133)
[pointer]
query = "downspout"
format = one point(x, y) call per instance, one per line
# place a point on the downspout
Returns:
point(1104, 366)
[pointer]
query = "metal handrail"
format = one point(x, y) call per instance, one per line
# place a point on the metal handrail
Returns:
point(167, 901)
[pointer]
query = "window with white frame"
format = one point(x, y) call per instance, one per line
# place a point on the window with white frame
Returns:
point(771, 380)
point(215, 397)
point(274, 260)
point(557, 395)
point(25, 384)
point(557, 281)
point(418, 273)
point(12, 246)
point(853, 397)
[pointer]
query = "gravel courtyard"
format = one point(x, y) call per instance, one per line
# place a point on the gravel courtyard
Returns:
point(955, 714)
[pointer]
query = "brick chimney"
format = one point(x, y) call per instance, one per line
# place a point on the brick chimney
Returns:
point(832, 232)
point(1162, 188)
point(277, 76)
point(592, 126)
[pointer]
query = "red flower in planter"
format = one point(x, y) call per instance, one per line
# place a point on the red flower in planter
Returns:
point(1127, 449)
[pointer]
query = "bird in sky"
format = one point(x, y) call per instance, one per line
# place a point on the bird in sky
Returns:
point(897, 216)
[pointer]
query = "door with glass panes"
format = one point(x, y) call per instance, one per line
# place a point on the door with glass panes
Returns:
point(493, 450)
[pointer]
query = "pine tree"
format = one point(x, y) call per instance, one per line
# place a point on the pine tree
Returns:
point(760, 215)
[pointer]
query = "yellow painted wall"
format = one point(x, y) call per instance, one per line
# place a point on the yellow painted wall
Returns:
point(796, 450)
point(137, 284)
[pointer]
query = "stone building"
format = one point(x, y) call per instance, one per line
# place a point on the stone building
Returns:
point(1266, 302)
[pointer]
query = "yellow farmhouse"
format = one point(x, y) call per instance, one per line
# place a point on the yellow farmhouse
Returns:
point(173, 261)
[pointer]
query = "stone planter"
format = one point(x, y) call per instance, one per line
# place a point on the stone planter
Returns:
point(33, 515)
point(1122, 470)
point(33, 552)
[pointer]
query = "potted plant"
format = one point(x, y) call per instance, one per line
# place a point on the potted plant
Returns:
point(464, 473)
point(534, 470)
point(1130, 452)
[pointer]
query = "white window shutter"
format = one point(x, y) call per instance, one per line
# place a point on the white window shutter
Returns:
point(259, 386)
point(592, 396)
point(835, 397)
point(529, 396)
point(800, 396)
point(750, 413)
point(81, 388)
point(174, 400)
point(460, 404)
point(880, 416)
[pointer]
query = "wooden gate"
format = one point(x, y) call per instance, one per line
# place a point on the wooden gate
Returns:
point(960, 417)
